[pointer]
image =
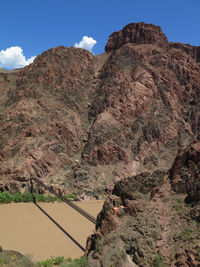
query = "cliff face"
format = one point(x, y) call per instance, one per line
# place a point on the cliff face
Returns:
point(137, 33)
point(74, 119)
point(146, 104)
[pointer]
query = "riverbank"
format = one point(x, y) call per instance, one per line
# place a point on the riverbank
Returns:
point(7, 197)
point(25, 228)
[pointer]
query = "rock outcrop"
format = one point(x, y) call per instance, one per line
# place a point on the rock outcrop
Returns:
point(146, 224)
point(137, 33)
point(185, 173)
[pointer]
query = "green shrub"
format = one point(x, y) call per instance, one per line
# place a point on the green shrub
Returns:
point(40, 198)
point(46, 263)
point(27, 197)
point(6, 197)
point(61, 262)
point(18, 197)
point(80, 262)
point(159, 261)
point(51, 198)
point(58, 260)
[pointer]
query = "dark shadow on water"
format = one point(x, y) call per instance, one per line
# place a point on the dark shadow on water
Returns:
point(69, 203)
point(60, 227)
point(57, 224)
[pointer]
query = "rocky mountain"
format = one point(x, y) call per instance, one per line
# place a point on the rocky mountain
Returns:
point(74, 119)
point(125, 123)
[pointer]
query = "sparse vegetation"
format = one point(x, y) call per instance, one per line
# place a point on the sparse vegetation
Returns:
point(60, 261)
point(159, 260)
point(178, 205)
point(154, 235)
point(7, 197)
point(79, 262)
point(71, 196)
point(13, 259)
point(185, 235)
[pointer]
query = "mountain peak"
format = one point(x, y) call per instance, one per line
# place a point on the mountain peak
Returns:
point(137, 33)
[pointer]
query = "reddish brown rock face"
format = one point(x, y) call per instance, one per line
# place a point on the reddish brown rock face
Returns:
point(44, 116)
point(83, 120)
point(137, 33)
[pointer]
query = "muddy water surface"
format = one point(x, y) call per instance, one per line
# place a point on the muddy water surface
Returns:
point(25, 228)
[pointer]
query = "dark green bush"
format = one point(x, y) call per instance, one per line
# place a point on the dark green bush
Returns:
point(51, 198)
point(17, 197)
point(40, 198)
point(58, 260)
point(46, 263)
point(7, 197)
point(27, 197)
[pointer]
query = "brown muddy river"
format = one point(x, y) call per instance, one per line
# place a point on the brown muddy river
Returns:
point(25, 228)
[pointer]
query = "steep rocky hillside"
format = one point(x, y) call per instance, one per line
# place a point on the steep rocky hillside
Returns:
point(84, 122)
point(152, 219)
point(44, 117)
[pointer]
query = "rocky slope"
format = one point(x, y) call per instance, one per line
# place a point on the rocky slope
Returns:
point(44, 117)
point(152, 219)
point(75, 119)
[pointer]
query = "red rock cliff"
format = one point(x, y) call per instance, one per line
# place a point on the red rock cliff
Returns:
point(137, 33)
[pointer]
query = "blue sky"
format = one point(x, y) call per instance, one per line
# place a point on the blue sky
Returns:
point(37, 25)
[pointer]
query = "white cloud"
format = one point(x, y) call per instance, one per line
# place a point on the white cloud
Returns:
point(13, 58)
point(86, 43)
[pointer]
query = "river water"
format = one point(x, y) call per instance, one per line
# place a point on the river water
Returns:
point(25, 228)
